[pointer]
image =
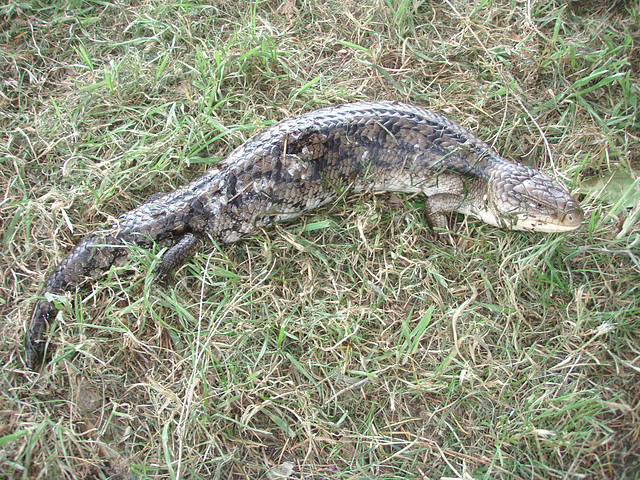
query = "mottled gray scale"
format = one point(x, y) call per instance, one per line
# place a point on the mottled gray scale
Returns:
point(304, 162)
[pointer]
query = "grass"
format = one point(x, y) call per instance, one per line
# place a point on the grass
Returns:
point(349, 344)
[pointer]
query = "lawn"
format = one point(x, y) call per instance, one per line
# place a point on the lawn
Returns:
point(351, 343)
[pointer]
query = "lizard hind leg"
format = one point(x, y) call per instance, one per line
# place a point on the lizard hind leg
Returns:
point(177, 255)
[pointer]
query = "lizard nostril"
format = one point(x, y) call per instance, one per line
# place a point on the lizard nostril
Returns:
point(574, 217)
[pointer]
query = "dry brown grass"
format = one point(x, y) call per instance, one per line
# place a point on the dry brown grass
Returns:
point(348, 344)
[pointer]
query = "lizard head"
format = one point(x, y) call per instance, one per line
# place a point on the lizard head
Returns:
point(522, 198)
